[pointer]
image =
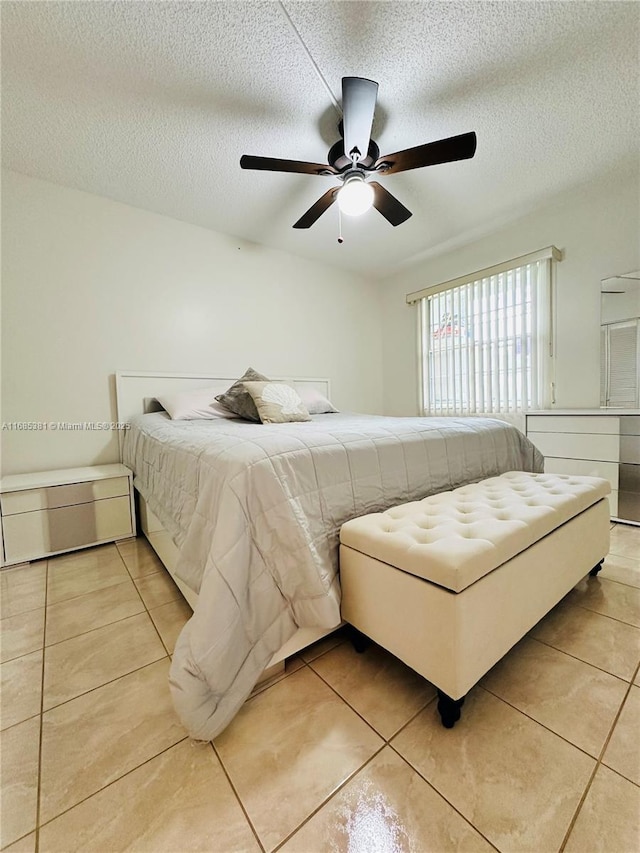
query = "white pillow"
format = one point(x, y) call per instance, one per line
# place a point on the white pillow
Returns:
point(194, 405)
point(315, 402)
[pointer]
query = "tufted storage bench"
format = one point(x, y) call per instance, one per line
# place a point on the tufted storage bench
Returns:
point(450, 583)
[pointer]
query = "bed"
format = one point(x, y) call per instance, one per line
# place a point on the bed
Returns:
point(248, 515)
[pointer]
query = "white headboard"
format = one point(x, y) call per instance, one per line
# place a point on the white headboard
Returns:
point(137, 390)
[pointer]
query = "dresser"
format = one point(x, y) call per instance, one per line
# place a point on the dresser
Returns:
point(52, 512)
point(597, 443)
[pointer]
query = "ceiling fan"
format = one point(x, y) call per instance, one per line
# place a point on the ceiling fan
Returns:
point(356, 157)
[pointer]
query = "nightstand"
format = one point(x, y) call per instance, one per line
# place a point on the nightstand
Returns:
point(52, 512)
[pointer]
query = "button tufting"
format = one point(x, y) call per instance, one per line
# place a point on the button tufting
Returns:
point(457, 532)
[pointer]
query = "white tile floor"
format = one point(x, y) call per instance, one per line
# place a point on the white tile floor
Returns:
point(343, 753)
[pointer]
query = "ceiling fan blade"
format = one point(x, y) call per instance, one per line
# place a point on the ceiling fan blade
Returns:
point(388, 205)
point(273, 164)
point(431, 154)
point(316, 210)
point(358, 106)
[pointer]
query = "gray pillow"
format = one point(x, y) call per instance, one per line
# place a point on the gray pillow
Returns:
point(237, 399)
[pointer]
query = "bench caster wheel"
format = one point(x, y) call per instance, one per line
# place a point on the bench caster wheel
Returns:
point(594, 571)
point(449, 709)
point(359, 641)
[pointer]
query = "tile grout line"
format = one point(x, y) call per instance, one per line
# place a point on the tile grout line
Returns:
point(431, 785)
point(346, 701)
point(328, 799)
point(544, 725)
point(146, 761)
point(351, 708)
point(575, 657)
point(20, 613)
point(614, 724)
point(310, 663)
point(37, 828)
point(89, 592)
point(414, 716)
point(599, 763)
point(41, 733)
point(537, 722)
point(276, 679)
point(106, 683)
point(93, 630)
point(144, 604)
point(615, 618)
point(81, 634)
point(444, 799)
point(20, 722)
point(597, 612)
point(98, 686)
point(348, 778)
point(7, 570)
point(99, 628)
point(237, 796)
point(349, 705)
point(164, 645)
point(391, 746)
point(112, 782)
point(439, 793)
point(145, 610)
point(615, 580)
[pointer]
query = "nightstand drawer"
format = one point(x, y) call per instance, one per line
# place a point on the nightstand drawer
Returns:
point(30, 535)
point(31, 500)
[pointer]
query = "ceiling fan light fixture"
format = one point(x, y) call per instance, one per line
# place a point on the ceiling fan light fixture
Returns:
point(355, 197)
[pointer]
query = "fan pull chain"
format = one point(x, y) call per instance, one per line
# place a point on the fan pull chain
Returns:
point(340, 240)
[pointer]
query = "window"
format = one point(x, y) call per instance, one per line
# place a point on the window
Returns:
point(620, 363)
point(486, 339)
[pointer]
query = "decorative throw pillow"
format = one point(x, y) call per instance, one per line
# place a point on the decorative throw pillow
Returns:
point(237, 398)
point(277, 403)
point(315, 402)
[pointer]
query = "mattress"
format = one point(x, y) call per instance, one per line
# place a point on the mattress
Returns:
point(256, 511)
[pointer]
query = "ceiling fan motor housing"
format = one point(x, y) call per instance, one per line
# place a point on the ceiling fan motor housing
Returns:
point(341, 161)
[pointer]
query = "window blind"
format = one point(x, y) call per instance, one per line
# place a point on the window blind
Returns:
point(619, 373)
point(486, 342)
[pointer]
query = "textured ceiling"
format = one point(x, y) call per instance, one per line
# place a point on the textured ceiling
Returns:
point(153, 104)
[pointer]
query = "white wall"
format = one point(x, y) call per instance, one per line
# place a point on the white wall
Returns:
point(598, 229)
point(91, 286)
point(621, 306)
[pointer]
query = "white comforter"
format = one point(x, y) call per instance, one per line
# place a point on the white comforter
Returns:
point(256, 511)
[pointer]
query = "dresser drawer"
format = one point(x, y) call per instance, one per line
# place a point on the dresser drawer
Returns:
point(584, 468)
point(630, 449)
point(51, 497)
point(605, 448)
point(570, 423)
point(630, 425)
point(588, 468)
point(31, 535)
